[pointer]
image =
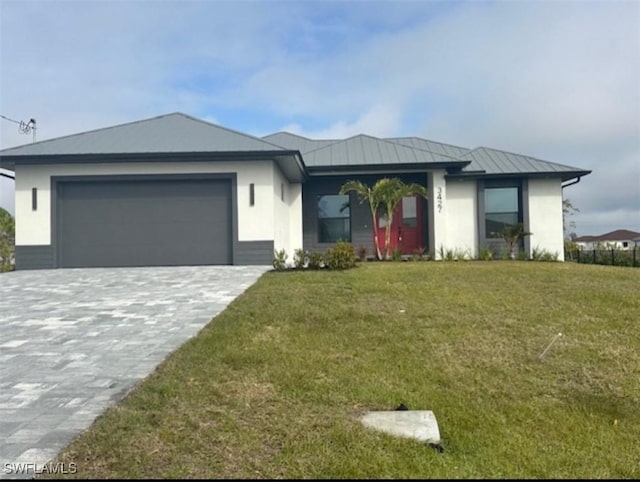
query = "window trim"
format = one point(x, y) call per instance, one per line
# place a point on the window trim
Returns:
point(517, 212)
point(318, 218)
point(523, 205)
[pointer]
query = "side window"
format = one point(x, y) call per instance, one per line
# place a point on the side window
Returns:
point(334, 218)
point(501, 209)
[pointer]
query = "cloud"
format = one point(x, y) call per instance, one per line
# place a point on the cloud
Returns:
point(380, 120)
point(555, 80)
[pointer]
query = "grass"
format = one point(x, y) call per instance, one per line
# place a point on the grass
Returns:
point(273, 388)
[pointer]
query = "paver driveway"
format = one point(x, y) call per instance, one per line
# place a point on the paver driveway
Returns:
point(74, 341)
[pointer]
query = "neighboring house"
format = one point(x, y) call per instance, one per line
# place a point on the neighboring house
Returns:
point(175, 190)
point(618, 239)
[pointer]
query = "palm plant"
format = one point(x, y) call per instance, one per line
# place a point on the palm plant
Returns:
point(385, 195)
point(513, 234)
point(371, 197)
point(392, 191)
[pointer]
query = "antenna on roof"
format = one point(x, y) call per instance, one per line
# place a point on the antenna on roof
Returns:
point(24, 127)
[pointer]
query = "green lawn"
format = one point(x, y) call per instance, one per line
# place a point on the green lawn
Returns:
point(274, 386)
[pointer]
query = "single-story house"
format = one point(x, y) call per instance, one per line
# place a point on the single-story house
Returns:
point(618, 239)
point(176, 190)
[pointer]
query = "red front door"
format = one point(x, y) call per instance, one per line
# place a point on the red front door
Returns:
point(406, 226)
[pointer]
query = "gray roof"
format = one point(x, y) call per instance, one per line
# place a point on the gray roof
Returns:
point(433, 146)
point(298, 143)
point(179, 136)
point(174, 134)
point(166, 133)
point(363, 150)
point(494, 162)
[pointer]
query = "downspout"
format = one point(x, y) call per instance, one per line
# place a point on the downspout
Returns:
point(572, 182)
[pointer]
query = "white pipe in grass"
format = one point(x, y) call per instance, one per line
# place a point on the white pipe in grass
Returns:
point(550, 344)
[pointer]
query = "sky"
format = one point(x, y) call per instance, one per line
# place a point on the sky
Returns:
point(556, 80)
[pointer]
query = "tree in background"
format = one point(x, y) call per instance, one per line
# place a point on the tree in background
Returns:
point(7, 240)
point(568, 209)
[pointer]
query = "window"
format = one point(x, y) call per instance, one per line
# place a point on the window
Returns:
point(501, 209)
point(410, 212)
point(334, 218)
point(625, 244)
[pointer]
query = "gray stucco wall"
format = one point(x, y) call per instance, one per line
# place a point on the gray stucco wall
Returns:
point(253, 252)
point(35, 257)
point(361, 223)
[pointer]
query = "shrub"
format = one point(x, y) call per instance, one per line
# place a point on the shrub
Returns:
point(316, 260)
point(418, 254)
point(362, 253)
point(300, 258)
point(396, 255)
point(341, 256)
point(538, 254)
point(280, 260)
point(485, 254)
point(7, 240)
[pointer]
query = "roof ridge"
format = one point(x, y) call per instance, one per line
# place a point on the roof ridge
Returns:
point(429, 140)
point(522, 155)
point(226, 129)
point(301, 137)
point(394, 144)
point(455, 158)
point(140, 121)
point(339, 141)
point(90, 131)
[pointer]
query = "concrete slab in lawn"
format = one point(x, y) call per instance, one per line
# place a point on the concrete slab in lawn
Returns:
point(417, 424)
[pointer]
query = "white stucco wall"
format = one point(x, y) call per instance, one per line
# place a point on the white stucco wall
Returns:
point(545, 216)
point(255, 223)
point(462, 217)
point(287, 214)
point(438, 206)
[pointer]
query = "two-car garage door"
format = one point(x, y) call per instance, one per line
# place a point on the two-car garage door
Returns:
point(144, 223)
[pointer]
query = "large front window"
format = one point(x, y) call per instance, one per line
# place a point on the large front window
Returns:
point(501, 209)
point(334, 218)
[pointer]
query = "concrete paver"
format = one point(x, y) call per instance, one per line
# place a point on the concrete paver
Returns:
point(75, 341)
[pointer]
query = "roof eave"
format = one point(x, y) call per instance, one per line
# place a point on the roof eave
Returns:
point(290, 162)
point(382, 168)
point(564, 176)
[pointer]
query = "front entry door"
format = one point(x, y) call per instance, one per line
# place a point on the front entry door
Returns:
point(406, 226)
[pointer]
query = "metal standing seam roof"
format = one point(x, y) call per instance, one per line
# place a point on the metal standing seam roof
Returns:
point(299, 143)
point(497, 162)
point(364, 150)
point(483, 160)
point(178, 133)
point(428, 145)
point(175, 132)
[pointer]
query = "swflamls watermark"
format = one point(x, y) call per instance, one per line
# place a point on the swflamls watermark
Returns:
point(32, 468)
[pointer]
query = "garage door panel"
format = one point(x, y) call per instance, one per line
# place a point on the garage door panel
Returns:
point(145, 223)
